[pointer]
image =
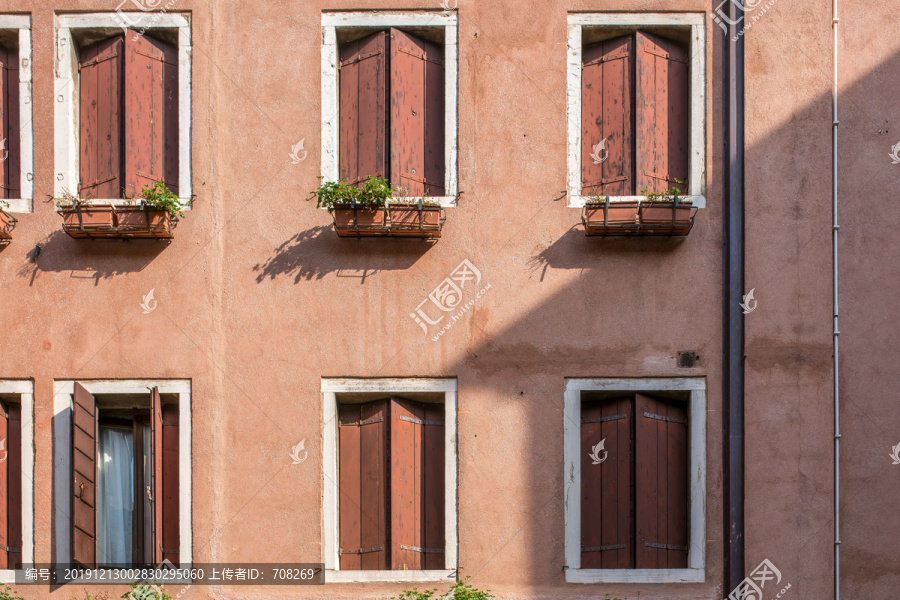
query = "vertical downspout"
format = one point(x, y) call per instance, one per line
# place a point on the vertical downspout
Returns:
point(733, 409)
point(836, 331)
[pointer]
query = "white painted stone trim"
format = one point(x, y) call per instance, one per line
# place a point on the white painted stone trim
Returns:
point(697, 24)
point(66, 94)
point(331, 97)
point(25, 204)
point(330, 471)
point(62, 457)
point(696, 571)
point(25, 389)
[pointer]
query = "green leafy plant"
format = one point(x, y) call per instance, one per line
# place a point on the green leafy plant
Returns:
point(67, 199)
point(96, 596)
point(597, 195)
point(144, 591)
point(8, 593)
point(374, 193)
point(4, 204)
point(159, 197)
point(670, 195)
point(460, 591)
point(402, 195)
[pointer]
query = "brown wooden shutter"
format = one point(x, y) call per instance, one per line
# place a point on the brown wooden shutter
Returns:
point(417, 485)
point(606, 493)
point(10, 176)
point(417, 115)
point(84, 471)
point(14, 477)
point(363, 108)
point(663, 112)
point(363, 484)
point(101, 69)
point(156, 492)
point(171, 539)
point(151, 114)
point(607, 113)
point(661, 483)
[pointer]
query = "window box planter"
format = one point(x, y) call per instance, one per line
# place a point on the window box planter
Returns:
point(645, 218)
point(396, 220)
point(415, 220)
point(7, 224)
point(109, 222)
point(667, 218)
point(607, 218)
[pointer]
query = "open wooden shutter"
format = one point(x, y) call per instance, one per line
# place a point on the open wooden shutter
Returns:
point(171, 539)
point(606, 494)
point(663, 113)
point(156, 449)
point(151, 114)
point(607, 118)
point(417, 485)
point(363, 108)
point(4, 490)
point(661, 479)
point(10, 176)
point(417, 115)
point(101, 68)
point(363, 484)
point(84, 471)
point(14, 486)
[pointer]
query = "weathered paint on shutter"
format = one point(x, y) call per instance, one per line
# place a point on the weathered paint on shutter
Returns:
point(101, 69)
point(14, 478)
point(84, 471)
point(151, 114)
point(663, 112)
point(363, 108)
point(661, 483)
point(4, 490)
point(156, 446)
point(606, 491)
point(363, 485)
point(417, 115)
point(170, 502)
point(607, 118)
point(10, 177)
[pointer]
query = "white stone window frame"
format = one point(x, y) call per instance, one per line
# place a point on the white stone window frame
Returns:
point(63, 399)
point(67, 114)
point(25, 204)
point(331, 388)
point(696, 571)
point(25, 390)
point(331, 21)
point(696, 22)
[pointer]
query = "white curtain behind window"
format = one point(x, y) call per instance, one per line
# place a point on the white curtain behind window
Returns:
point(115, 501)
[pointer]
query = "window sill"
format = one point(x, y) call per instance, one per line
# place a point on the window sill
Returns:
point(19, 205)
point(334, 576)
point(635, 575)
point(579, 201)
point(8, 575)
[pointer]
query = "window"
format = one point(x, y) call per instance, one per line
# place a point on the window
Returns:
point(119, 448)
point(123, 112)
point(390, 480)
point(635, 515)
point(16, 476)
point(16, 185)
point(389, 101)
point(636, 105)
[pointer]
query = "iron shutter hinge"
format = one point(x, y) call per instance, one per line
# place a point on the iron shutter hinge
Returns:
point(603, 548)
point(664, 546)
point(422, 550)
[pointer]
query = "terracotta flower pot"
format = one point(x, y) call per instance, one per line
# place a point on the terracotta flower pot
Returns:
point(359, 221)
point(619, 217)
point(88, 217)
point(7, 222)
point(407, 215)
point(662, 213)
point(132, 218)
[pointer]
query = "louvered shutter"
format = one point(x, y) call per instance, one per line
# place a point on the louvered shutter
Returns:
point(363, 108)
point(14, 479)
point(663, 112)
point(10, 176)
point(170, 502)
point(417, 485)
point(661, 437)
point(606, 494)
point(417, 115)
point(607, 118)
point(151, 114)
point(363, 484)
point(101, 74)
point(84, 478)
point(156, 483)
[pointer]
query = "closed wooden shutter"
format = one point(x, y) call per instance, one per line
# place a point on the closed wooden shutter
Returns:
point(101, 68)
point(607, 117)
point(661, 437)
point(151, 114)
point(14, 486)
point(171, 539)
point(363, 484)
point(417, 485)
point(607, 503)
point(663, 113)
point(417, 115)
point(84, 477)
point(156, 450)
point(10, 175)
point(363, 108)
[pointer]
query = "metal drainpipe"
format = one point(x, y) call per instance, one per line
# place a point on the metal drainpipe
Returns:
point(836, 332)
